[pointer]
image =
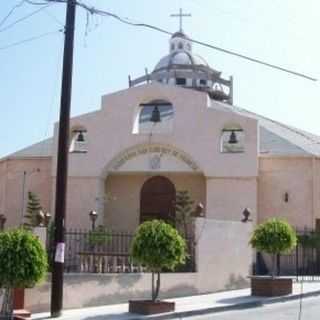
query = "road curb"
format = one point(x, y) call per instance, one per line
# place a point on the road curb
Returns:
point(239, 306)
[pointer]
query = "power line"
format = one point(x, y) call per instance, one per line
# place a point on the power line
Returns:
point(19, 4)
point(239, 55)
point(53, 17)
point(14, 44)
point(93, 10)
point(24, 18)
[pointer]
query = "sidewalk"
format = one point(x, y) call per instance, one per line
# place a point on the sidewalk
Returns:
point(188, 306)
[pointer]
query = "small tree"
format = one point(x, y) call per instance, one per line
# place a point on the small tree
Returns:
point(99, 236)
point(157, 245)
point(33, 209)
point(184, 209)
point(23, 263)
point(275, 236)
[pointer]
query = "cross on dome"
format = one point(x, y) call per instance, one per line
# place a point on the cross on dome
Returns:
point(180, 15)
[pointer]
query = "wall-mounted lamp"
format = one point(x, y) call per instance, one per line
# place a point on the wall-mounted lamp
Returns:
point(93, 215)
point(246, 215)
point(286, 197)
point(199, 211)
point(47, 218)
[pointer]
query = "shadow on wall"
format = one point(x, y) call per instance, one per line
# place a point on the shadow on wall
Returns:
point(237, 282)
point(129, 281)
point(107, 299)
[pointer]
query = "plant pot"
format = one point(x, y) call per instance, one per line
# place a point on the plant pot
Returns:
point(147, 307)
point(267, 286)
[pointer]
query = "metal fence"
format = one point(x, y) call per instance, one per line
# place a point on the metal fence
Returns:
point(106, 252)
point(302, 262)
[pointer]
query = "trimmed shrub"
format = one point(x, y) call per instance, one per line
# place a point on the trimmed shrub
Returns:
point(23, 263)
point(157, 246)
point(275, 236)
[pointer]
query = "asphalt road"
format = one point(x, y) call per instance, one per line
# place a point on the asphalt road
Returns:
point(279, 311)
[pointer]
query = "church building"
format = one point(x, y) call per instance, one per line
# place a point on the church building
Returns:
point(174, 129)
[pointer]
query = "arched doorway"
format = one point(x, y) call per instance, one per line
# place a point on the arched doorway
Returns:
point(157, 199)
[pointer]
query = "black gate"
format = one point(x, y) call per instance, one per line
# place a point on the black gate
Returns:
point(303, 261)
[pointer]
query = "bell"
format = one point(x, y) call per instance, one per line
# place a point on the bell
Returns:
point(155, 117)
point(80, 137)
point(233, 138)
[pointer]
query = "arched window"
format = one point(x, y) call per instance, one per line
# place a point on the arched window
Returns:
point(232, 139)
point(78, 142)
point(155, 116)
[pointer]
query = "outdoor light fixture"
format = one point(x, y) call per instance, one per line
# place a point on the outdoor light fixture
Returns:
point(199, 211)
point(40, 218)
point(155, 117)
point(47, 218)
point(233, 137)
point(246, 215)
point(286, 197)
point(93, 215)
point(3, 220)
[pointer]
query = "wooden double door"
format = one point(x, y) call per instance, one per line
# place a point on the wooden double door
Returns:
point(157, 199)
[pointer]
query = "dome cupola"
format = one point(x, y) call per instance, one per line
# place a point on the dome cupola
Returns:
point(182, 67)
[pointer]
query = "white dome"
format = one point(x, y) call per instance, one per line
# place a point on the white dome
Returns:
point(180, 58)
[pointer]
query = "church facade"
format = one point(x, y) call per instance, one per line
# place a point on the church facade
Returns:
point(173, 129)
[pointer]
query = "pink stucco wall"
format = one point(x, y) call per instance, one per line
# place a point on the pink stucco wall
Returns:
point(11, 178)
point(229, 183)
point(299, 177)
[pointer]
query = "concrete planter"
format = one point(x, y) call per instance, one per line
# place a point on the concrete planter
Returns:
point(266, 286)
point(147, 307)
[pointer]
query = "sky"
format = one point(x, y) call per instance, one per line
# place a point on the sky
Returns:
point(282, 32)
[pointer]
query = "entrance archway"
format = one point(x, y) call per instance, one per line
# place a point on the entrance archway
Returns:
point(157, 199)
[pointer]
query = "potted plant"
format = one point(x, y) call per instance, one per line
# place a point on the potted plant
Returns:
point(275, 236)
point(23, 263)
point(157, 246)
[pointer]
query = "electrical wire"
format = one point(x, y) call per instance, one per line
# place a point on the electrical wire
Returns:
point(24, 18)
point(93, 10)
point(19, 4)
point(14, 44)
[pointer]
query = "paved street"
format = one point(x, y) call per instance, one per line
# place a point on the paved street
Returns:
point(278, 311)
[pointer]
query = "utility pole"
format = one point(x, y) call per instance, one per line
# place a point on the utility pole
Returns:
point(62, 164)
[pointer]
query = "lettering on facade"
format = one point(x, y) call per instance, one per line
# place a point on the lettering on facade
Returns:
point(155, 161)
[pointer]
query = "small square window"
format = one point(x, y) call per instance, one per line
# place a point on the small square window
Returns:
point(181, 81)
point(203, 82)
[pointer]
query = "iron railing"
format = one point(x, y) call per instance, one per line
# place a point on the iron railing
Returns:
point(107, 252)
point(302, 262)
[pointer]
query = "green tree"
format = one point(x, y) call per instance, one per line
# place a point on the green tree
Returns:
point(157, 246)
point(184, 210)
point(275, 236)
point(23, 263)
point(99, 236)
point(33, 210)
